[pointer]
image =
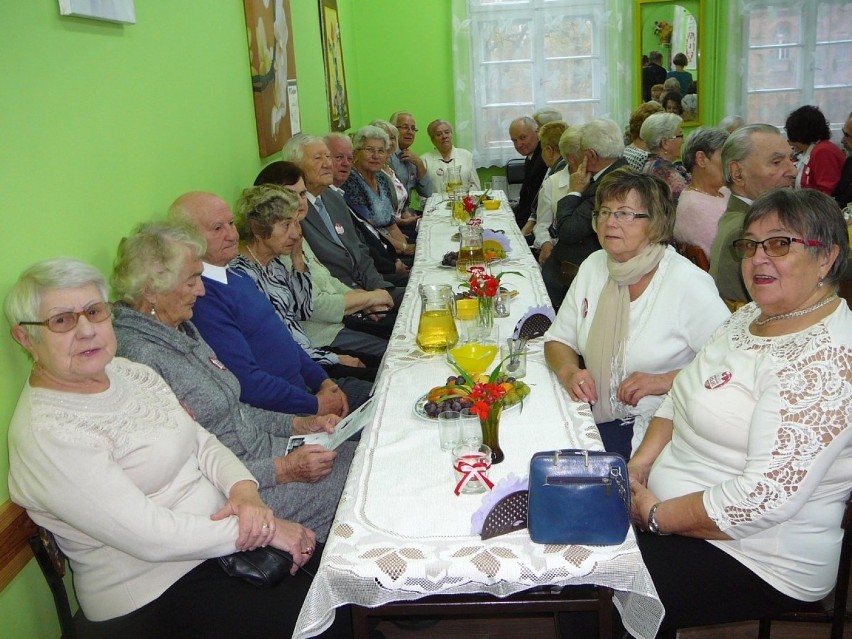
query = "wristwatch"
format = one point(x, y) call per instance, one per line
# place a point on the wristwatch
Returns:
point(652, 520)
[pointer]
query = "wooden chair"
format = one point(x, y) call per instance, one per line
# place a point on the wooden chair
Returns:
point(694, 254)
point(832, 609)
point(52, 563)
point(567, 272)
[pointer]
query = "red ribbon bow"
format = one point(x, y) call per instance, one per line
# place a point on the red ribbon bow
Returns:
point(472, 470)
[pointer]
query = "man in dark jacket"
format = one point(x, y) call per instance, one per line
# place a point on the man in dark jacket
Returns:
point(601, 146)
point(524, 134)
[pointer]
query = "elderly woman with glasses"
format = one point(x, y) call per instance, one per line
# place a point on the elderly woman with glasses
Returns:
point(747, 464)
point(663, 135)
point(446, 155)
point(369, 191)
point(636, 312)
point(139, 496)
point(704, 201)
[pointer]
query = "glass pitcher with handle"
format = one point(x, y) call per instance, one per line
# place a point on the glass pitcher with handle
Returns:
point(436, 331)
point(471, 251)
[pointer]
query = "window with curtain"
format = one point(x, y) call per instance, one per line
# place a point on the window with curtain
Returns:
point(513, 57)
point(798, 52)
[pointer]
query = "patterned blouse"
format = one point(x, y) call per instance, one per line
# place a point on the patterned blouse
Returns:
point(675, 175)
point(377, 208)
point(290, 294)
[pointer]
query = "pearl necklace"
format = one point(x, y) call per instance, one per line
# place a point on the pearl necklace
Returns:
point(799, 313)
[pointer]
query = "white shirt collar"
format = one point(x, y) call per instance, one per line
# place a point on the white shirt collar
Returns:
point(217, 273)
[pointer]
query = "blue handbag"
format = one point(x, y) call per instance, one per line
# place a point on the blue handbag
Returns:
point(578, 497)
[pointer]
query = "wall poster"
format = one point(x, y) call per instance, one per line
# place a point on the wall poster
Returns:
point(335, 78)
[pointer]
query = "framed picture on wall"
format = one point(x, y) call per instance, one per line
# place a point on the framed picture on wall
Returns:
point(109, 10)
point(273, 72)
point(335, 78)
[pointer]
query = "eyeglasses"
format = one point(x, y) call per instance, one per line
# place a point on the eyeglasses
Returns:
point(675, 137)
point(626, 216)
point(772, 246)
point(371, 150)
point(64, 322)
point(407, 127)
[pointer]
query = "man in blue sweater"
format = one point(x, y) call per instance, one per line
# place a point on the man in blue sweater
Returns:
point(241, 326)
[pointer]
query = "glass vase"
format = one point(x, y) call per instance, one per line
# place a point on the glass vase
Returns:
point(491, 432)
point(485, 316)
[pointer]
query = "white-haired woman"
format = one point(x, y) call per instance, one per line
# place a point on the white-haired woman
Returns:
point(139, 496)
point(446, 155)
point(369, 191)
point(664, 137)
point(702, 203)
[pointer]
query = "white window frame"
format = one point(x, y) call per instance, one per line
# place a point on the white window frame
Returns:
point(804, 80)
point(501, 146)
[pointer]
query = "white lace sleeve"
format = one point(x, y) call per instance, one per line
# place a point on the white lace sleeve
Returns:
point(798, 429)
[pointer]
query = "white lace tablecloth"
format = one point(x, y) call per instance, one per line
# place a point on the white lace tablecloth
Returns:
point(400, 531)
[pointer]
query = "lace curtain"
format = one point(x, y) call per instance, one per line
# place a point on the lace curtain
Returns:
point(511, 59)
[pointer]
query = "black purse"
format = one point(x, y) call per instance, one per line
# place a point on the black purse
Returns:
point(578, 497)
point(262, 567)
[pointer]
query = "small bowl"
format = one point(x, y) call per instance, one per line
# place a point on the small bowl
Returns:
point(491, 205)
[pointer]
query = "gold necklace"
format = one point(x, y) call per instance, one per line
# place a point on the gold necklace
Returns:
point(248, 248)
point(799, 313)
point(692, 187)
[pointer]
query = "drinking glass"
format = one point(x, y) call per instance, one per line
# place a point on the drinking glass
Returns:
point(471, 431)
point(449, 429)
point(470, 463)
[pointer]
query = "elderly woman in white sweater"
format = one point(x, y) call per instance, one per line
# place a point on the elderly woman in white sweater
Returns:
point(139, 496)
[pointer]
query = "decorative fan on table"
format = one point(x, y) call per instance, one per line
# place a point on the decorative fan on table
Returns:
point(534, 323)
point(504, 509)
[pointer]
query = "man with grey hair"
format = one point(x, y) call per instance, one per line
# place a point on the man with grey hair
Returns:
point(328, 227)
point(652, 74)
point(409, 168)
point(755, 159)
point(601, 148)
point(524, 134)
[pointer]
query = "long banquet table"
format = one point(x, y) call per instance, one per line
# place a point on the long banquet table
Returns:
point(400, 533)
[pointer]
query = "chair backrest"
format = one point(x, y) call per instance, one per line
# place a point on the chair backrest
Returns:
point(52, 563)
point(694, 254)
point(516, 170)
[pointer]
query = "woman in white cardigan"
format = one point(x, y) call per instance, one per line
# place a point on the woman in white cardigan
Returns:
point(140, 498)
point(637, 311)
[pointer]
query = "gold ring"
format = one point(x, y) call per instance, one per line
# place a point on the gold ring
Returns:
point(265, 526)
point(581, 382)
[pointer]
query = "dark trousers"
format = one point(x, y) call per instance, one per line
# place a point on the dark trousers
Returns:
point(701, 585)
point(208, 604)
point(616, 437)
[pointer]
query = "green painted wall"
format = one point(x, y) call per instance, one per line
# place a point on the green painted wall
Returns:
point(103, 125)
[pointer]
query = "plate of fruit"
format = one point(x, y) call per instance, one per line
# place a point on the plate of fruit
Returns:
point(455, 395)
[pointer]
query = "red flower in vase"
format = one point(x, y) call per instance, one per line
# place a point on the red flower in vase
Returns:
point(484, 396)
point(481, 283)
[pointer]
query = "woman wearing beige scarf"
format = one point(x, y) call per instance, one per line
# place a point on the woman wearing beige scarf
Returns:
point(637, 312)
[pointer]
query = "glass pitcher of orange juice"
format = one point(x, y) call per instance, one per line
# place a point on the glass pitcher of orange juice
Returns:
point(436, 331)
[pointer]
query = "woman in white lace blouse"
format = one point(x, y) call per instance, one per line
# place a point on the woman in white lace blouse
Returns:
point(748, 462)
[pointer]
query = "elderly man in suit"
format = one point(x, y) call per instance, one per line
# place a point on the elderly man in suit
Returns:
point(755, 159)
point(601, 149)
point(524, 134)
point(328, 227)
point(407, 165)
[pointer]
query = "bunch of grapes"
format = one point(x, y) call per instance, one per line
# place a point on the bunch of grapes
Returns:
point(450, 259)
point(457, 404)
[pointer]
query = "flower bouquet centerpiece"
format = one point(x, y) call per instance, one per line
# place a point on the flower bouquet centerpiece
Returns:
point(466, 209)
point(489, 398)
point(484, 287)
